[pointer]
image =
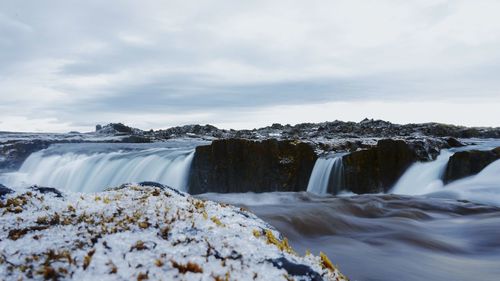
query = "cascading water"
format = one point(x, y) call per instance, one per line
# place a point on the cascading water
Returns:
point(84, 169)
point(326, 170)
point(426, 179)
point(422, 178)
point(482, 188)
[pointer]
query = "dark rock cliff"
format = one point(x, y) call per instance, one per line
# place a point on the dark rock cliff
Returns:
point(238, 165)
point(467, 163)
point(377, 169)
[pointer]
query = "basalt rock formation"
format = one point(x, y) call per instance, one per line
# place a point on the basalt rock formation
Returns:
point(238, 165)
point(467, 163)
point(377, 169)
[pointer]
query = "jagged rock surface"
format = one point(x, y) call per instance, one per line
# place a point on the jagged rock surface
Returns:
point(330, 130)
point(326, 136)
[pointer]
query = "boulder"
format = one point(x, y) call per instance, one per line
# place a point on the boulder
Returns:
point(377, 169)
point(467, 163)
point(4, 190)
point(46, 190)
point(117, 129)
point(145, 233)
point(239, 165)
point(453, 142)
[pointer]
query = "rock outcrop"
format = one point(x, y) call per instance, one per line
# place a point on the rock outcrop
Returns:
point(4, 190)
point(144, 233)
point(377, 169)
point(453, 142)
point(15, 152)
point(467, 163)
point(238, 165)
point(367, 128)
point(16, 147)
point(117, 129)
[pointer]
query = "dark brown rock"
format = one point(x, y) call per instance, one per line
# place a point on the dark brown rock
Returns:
point(453, 142)
point(239, 165)
point(467, 163)
point(377, 169)
point(47, 190)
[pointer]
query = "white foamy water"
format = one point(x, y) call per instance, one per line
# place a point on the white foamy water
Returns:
point(71, 169)
point(325, 170)
point(422, 178)
point(426, 179)
point(483, 187)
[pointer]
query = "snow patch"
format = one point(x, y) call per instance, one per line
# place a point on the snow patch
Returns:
point(144, 232)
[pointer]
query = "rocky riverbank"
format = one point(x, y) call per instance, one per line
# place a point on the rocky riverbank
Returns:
point(240, 165)
point(282, 157)
point(143, 232)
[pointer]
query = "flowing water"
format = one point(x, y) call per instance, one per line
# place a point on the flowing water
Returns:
point(386, 237)
point(425, 179)
point(92, 167)
point(428, 232)
point(428, 176)
point(326, 170)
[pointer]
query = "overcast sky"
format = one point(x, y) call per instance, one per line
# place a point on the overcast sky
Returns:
point(68, 65)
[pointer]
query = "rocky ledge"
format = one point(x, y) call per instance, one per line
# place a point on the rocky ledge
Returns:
point(143, 232)
point(467, 163)
point(238, 165)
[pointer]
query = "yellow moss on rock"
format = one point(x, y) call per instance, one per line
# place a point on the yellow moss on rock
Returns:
point(282, 245)
point(217, 221)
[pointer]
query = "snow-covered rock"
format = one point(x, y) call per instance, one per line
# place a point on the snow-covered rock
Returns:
point(143, 232)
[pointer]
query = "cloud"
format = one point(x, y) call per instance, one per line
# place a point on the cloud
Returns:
point(79, 63)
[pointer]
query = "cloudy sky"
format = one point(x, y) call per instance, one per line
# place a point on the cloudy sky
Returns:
point(68, 65)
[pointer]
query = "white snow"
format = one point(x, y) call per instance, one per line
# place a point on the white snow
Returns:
point(143, 233)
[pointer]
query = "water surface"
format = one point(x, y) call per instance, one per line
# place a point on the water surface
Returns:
point(386, 237)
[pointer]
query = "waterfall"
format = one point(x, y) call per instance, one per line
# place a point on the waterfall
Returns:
point(422, 178)
point(75, 170)
point(326, 170)
point(426, 179)
point(483, 187)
